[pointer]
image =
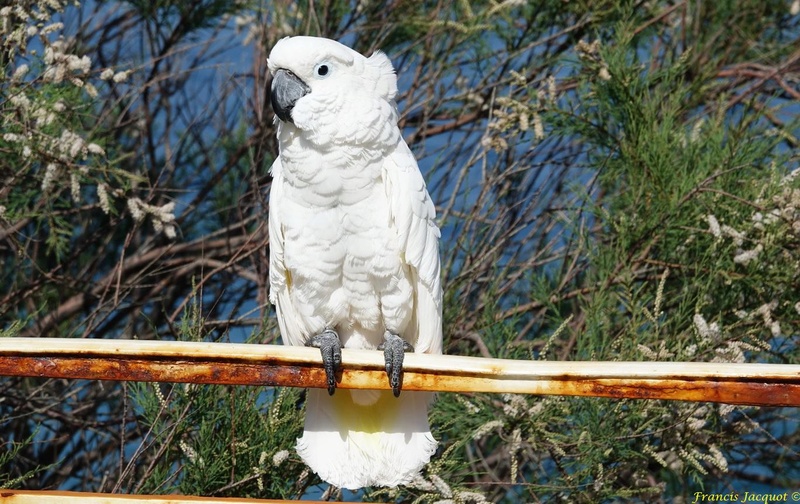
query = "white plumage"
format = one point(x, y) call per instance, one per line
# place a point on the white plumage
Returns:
point(354, 248)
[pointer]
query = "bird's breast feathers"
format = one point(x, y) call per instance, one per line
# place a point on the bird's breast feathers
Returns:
point(339, 245)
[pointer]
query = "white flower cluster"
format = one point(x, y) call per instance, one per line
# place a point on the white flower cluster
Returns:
point(691, 443)
point(726, 349)
point(58, 161)
point(692, 136)
point(191, 454)
point(163, 216)
point(486, 428)
point(688, 444)
point(776, 220)
point(435, 484)
point(24, 20)
point(713, 226)
point(70, 149)
point(784, 209)
point(785, 206)
point(518, 116)
point(469, 406)
point(513, 448)
point(765, 311)
point(160, 396)
point(694, 457)
point(280, 457)
point(661, 354)
point(553, 337)
point(261, 469)
point(61, 65)
point(118, 77)
point(590, 51)
point(659, 456)
point(515, 405)
point(709, 333)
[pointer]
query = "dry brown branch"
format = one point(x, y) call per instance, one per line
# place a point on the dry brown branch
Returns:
point(246, 364)
point(764, 78)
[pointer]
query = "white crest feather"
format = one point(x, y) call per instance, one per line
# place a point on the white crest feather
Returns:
point(386, 78)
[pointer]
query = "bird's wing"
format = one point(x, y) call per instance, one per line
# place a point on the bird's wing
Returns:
point(280, 279)
point(412, 214)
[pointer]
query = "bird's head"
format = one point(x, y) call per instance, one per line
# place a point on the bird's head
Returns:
point(318, 84)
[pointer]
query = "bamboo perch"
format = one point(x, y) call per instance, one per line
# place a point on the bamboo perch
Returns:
point(8, 496)
point(248, 364)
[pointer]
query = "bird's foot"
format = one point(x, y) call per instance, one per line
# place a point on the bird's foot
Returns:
point(394, 347)
point(331, 349)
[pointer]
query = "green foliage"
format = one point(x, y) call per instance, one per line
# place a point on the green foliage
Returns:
point(215, 440)
point(12, 449)
point(671, 165)
point(222, 441)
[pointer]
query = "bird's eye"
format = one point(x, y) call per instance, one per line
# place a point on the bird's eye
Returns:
point(322, 70)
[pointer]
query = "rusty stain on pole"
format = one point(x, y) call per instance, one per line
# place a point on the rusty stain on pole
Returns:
point(270, 365)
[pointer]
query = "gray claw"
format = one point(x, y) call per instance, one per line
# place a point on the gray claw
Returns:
point(394, 347)
point(331, 349)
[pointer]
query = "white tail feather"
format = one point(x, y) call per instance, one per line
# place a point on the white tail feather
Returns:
point(352, 446)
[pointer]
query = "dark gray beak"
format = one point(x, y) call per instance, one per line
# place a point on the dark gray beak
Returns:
point(286, 89)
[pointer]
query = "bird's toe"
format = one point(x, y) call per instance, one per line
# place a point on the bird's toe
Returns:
point(331, 349)
point(394, 348)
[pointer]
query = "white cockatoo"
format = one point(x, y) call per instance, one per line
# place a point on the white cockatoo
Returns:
point(354, 259)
